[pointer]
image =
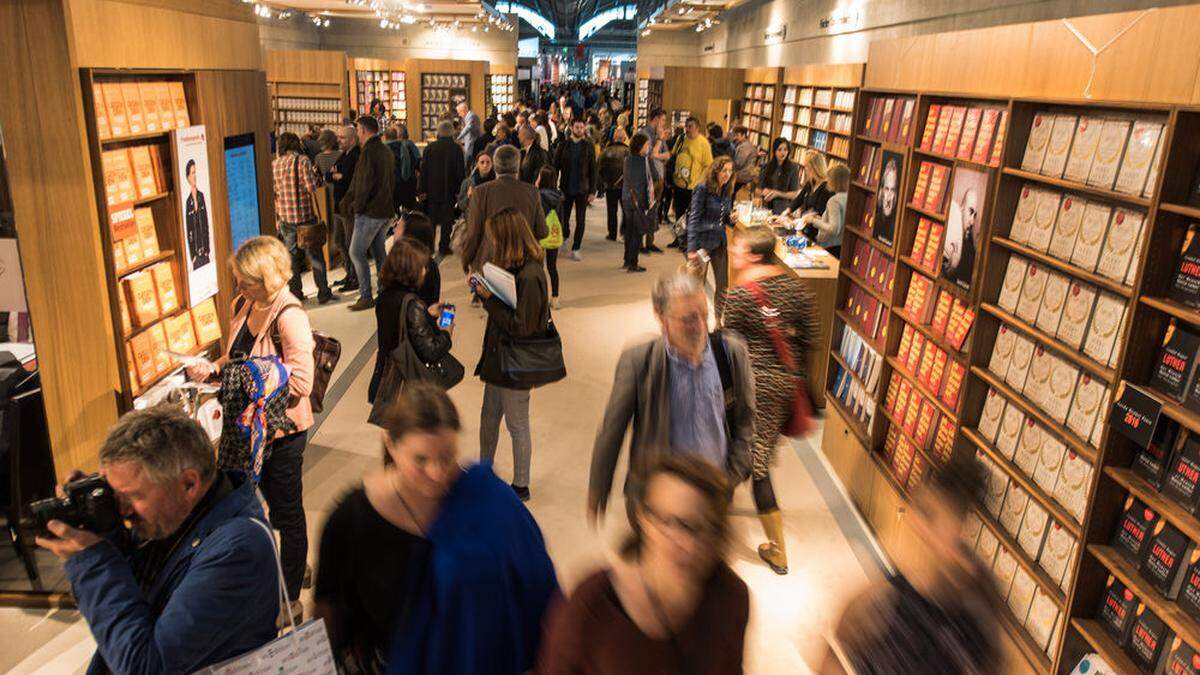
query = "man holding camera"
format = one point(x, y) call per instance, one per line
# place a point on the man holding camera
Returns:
point(194, 581)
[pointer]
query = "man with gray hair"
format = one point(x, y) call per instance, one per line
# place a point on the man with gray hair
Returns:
point(193, 582)
point(687, 392)
point(471, 129)
point(505, 192)
point(443, 169)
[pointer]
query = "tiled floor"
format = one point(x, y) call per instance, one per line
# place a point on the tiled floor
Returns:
point(603, 308)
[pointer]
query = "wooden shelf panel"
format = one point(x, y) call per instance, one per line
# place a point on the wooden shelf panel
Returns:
point(151, 198)
point(1055, 428)
point(1035, 491)
point(886, 470)
point(866, 286)
point(1183, 625)
point(1172, 308)
point(1065, 267)
point(864, 186)
point(862, 333)
point(1095, 635)
point(133, 138)
point(939, 341)
point(1053, 344)
point(1181, 209)
point(855, 425)
point(919, 386)
point(1048, 585)
point(1190, 420)
point(148, 262)
point(1082, 188)
point(940, 217)
point(161, 317)
point(1169, 509)
point(872, 241)
point(959, 161)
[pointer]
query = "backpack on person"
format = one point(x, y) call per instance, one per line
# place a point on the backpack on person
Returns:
point(554, 239)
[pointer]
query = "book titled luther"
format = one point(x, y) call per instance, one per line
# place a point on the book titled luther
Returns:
point(1183, 480)
point(1148, 639)
point(1134, 528)
point(1185, 286)
point(1117, 609)
point(1164, 560)
point(1176, 361)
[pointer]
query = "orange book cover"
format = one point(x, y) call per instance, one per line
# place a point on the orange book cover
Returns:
point(953, 386)
point(118, 177)
point(179, 102)
point(143, 171)
point(889, 442)
point(912, 300)
point(108, 167)
point(998, 144)
point(181, 336)
point(910, 415)
point(166, 106)
point(916, 474)
point(133, 107)
point(123, 224)
point(922, 185)
point(938, 372)
point(133, 248)
point(906, 121)
point(941, 313)
point(943, 129)
point(983, 140)
point(146, 233)
point(160, 178)
point(143, 358)
point(925, 368)
point(933, 249)
point(889, 400)
point(118, 120)
point(130, 367)
point(204, 320)
point(902, 460)
point(101, 110)
point(119, 262)
point(937, 187)
point(943, 440)
point(149, 106)
point(924, 424)
point(962, 327)
point(906, 392)
point(143, 301)
point(905, 344)
point(919, 239)
point(126, 322)
point(930, 126)
point(914, 354)
point(164, 287)
point(957, 118)
point(158, 337)
point(966, 143)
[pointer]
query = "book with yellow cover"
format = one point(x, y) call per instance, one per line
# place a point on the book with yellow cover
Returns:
point(914, 354)
point(130, 367)
point(133, 248)
point(158, 338)
point(925, 367)
point(957, 117)
point(937, 188)
point(204, 320)
point(905, 344)
point(931, 121)
point(166, 106)
point(133, 107)
point(164, 287)
point(146, 233)
point(955, 373)
point(918, 247)
point(938, 372)
point(943, 129)
point(941, 313)
point(143, 358)
point(987, 132)
point(143, 171)
point(933, 247)
point(126, 322)
point(1001, 135)
point(118, 177)
point(924, 424)
point(966, 143)
point(179, 102)
point(101, 110)
point(149, 106)
point(118, 120)
point(119, 262)
point(122, 224)
point(181, 335)
point(143, 301)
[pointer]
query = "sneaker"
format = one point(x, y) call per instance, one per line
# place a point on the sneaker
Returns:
point(362, 304)
point(576, 255)
point(611, 237)
point(326, 298)
point(635, 268)
point(652, 249)
point(522, 492)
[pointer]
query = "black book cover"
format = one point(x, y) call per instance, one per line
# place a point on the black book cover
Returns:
point(1183, 660)
point(1184, 477)
point(1189, 593)
point(1165, 557)
point(1133, 530)
point(1175, 361)
point(1148, 640)
point(1153, 461)
point(1116, 609)
point(1194, 195)
point(1185, 286)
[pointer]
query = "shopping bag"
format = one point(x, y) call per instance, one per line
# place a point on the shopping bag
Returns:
point(304, 650)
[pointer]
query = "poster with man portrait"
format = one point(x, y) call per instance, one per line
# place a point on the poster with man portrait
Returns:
point(191, 181)
point(963, 222)
point(887, 202)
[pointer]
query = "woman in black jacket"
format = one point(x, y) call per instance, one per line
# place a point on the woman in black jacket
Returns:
point(780, 178)
point(637, 195)
point(402, 274)
point(513, 249)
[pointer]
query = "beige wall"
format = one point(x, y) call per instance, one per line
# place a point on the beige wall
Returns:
point(365, 39)
point(739, 40)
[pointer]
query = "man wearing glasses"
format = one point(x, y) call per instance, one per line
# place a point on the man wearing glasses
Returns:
point(689, 392)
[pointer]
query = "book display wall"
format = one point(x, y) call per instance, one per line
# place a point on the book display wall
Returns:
point(649, 97)
point(501, 92)
point(132, 120)
point(758, 113)
point(389, 86)
point(440, 93)
point(820, 118)
point(296, 113)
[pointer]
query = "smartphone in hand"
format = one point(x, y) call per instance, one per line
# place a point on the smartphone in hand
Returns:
point(447, 317)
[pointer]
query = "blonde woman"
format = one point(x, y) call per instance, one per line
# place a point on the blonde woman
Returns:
point(267, 320)
point(814, 192)
point(826, 229)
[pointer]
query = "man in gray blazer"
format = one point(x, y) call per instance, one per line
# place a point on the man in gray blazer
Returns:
point(688, 392)
point(471, 130)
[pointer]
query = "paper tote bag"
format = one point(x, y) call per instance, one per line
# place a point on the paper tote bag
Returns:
point(533, 361)
point(303, 651)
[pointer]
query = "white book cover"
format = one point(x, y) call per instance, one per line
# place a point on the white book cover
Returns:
point(1109, 149)
point(1033, 530)
point(986, 547)
point(1022, 222)
point(989, 419)
point(1104, 326)
point(1010, 431)
point(1123, 238)
point(1013, 510)
point(1155, 164)
point(1083, 149)
point(1005, 569)
point(1049, 464)
point(1037, 381)
point(1139, 152)
point(1091, 235)
point(1035, 146)
point(1056, 554)
point(1043, 220)
point(1063, 379)
point(1031, 294)
point(1018, 367)
point(1090, 398)
point(1077, 309)
point(997, 486)
point(1058, 148)
point(1020, 596)
point(1029, 448)
point(1054, 298)
point(1014, 278)
point(1043, 616)
point(972, 526)
point(1073, 483)
point(1066, 227)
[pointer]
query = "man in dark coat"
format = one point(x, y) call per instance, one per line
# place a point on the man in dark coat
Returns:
point(340, 176)
point(443, 170)
point(533, 156)
point(575, 159)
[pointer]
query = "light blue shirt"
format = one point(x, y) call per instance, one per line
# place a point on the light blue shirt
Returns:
point(697, 407)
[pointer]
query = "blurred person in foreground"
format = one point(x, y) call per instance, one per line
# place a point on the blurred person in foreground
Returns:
point(669, 603)
point(193, 582)
point(939, 617)
point(689, 392)
point(430, 567)
point(774, 312)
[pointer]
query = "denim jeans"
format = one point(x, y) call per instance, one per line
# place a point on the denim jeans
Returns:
point(287, 233)
point(513, 406)
point(369, 236)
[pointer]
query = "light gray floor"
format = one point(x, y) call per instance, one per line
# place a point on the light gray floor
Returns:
point(602, 309)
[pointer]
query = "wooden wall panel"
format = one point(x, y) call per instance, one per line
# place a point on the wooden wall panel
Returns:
point(58, 229)
point(825, 74)
point(311, 66)
point(1156, 60)
point(165, 34)
point(690, 88)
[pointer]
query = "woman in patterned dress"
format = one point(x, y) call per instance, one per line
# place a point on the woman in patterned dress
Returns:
point(752, 257)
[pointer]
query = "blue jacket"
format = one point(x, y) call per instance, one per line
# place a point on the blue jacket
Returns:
point(216, 597)
point(706, 219)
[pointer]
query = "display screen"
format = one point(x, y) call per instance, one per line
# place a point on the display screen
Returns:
point(241, 177)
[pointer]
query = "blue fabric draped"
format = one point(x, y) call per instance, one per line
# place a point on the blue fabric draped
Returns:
point(477, 606)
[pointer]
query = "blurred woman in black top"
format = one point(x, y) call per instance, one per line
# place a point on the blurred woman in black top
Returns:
point(780, 178)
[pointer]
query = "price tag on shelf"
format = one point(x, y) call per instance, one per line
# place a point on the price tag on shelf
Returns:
point(1135, 414)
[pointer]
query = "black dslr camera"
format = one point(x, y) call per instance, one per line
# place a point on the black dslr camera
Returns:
point(89, 504)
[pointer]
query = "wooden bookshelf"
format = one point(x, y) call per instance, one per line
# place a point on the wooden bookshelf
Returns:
point(819, 104)
point(762, 105)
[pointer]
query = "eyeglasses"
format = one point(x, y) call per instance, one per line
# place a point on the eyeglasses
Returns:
point(680, 525)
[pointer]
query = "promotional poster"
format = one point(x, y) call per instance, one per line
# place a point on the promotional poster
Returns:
point(191, 171)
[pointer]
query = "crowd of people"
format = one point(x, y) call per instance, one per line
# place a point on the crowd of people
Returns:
point(433, 564)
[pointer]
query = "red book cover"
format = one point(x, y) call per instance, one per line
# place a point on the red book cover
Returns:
point(890, 281)
point(872, 266)
point(937, 188)
point(938, 372)
point(916, 474)
point(914, 354)
point(902, 396)
point(925, 367)
point(866, 157)
point(933, 248)
point(864, 261)
point(918, 247)
point(966, 144)
point(943, 440)
point(860, 250)
point(924, 424)
point(910, 415)
point(987, 131)
point(852, 302)
point(868, 219)
point(998, 144)
point(889, 443)
point(871, 125)
point(962, 319)
point(930, 126)
point(918, 287)
point(902, 460)
point(922, 185)
point(953, 387)
point(955, 131)
point(896, 127)
point(941, 314)
point(905, 344)
point(943, 128)
point(880, 278)
point(906, 121)
point(889, 400)
point(886, 122)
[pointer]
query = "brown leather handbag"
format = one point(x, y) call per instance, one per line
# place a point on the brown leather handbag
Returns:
point(327, 351)
point(315, 234)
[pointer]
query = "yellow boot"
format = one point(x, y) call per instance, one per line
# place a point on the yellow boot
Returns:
point(774, 552)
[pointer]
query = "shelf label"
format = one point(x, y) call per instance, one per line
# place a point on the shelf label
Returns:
point(1135, 414)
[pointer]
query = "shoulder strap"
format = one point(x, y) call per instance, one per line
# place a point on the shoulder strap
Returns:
point(275, 337)
point(724, 367)
point(782, 349)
